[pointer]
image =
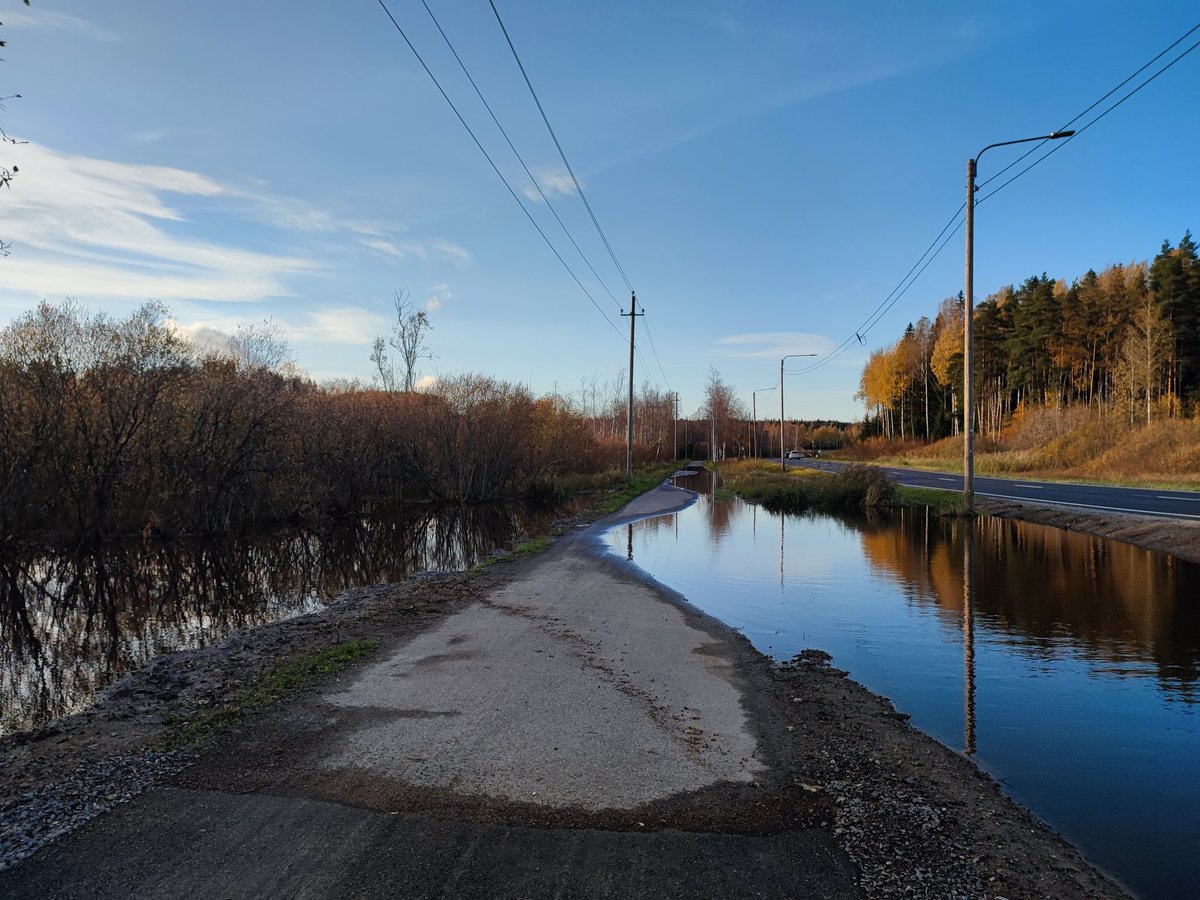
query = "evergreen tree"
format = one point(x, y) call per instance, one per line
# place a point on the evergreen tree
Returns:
point(1175, 281)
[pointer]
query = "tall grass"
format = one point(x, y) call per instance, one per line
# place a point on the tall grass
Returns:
point(856, 487)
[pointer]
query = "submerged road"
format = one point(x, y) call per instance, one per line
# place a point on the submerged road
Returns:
point(576, 733)
point(1140, 501)
point(571, 729)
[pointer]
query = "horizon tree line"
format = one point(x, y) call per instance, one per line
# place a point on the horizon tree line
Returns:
point(1123, 343)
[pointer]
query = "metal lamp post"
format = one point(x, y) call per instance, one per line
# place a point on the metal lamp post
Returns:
point(754, 415)
point(968, 316)
point(782, 451)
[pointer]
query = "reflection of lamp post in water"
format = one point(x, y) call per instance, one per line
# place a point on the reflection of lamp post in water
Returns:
point(968, 624)
point(781, 517)
point(629, 551)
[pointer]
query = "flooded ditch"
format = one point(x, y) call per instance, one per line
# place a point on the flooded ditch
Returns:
point(1065, 665)
point(71, 624)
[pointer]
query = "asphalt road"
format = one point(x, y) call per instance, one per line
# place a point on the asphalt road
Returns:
point(1142, 501)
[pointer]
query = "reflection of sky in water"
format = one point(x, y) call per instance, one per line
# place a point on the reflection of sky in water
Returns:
point(1084, 653)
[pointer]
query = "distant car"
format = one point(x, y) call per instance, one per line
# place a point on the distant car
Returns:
point(793, 454)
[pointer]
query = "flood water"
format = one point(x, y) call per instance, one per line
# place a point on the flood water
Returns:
point(1065, 665)
point(71, 624)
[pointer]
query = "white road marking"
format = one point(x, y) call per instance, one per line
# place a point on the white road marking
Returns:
point(1034, 487)
point(1176, 497)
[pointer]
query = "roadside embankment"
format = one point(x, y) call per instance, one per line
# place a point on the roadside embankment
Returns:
point(556, 726)
point(1177, 537)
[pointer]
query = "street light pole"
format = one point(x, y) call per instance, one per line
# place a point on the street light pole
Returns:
point(782, 451)
point(968, 319)
point(754, 414)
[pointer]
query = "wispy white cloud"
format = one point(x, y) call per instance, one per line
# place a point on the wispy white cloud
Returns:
point(450, 250)
point(343, 324)
point(296, 215)
point(423, 250)
point(338, 325)
point(398, 249)
point(96, 228)
point(552, 182)
point(99, 229)
point(441, 294)
point(44, 18)
point(773, 344)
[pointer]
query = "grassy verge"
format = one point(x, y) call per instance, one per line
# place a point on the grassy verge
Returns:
point(529, 548)
point(610, 491)
point(948, 502)
point(286, 678)
point(621, 491)
point(857, 487)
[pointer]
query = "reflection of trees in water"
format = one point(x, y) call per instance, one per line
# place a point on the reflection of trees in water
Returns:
point(71, 624)
point(1035, 586)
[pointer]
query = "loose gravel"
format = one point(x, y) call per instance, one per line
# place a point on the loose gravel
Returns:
point(34, 819)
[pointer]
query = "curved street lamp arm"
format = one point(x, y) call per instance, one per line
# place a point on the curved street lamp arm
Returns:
point(1053, 136)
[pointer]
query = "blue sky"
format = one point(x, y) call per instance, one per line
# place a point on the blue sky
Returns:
point(766, 172)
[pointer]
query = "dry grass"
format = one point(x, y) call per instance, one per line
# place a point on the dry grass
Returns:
point(1166, 451)
point(1067, 445)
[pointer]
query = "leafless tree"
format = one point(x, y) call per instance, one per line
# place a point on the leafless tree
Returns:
point(408, 340)
point(383, 365)
point(261, 345)
point(408, 337)
point(724, 413)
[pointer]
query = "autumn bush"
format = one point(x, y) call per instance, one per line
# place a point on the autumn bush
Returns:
point(855, 487)
point(111, 427)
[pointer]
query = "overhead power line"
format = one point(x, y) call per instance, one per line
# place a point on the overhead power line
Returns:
point(892, 298)
point(1067, 125)
point(1060, 144)
point(661, 371)
point(517, 154)
point(927, 257)
point(561, 153)
point(496, 169)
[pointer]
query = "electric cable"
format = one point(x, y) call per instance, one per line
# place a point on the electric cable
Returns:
point(1060, 144)
point(650, 335)
point(1067, 125)
point(537, 186)
point(495, 168)
point(894, 297)
point(561, 153)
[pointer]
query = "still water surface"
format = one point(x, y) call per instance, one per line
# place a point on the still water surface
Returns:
point(71, 624)
point(1066, 665)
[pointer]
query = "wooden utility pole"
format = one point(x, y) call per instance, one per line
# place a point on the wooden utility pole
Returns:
point(633, 314)
point(676, 437)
